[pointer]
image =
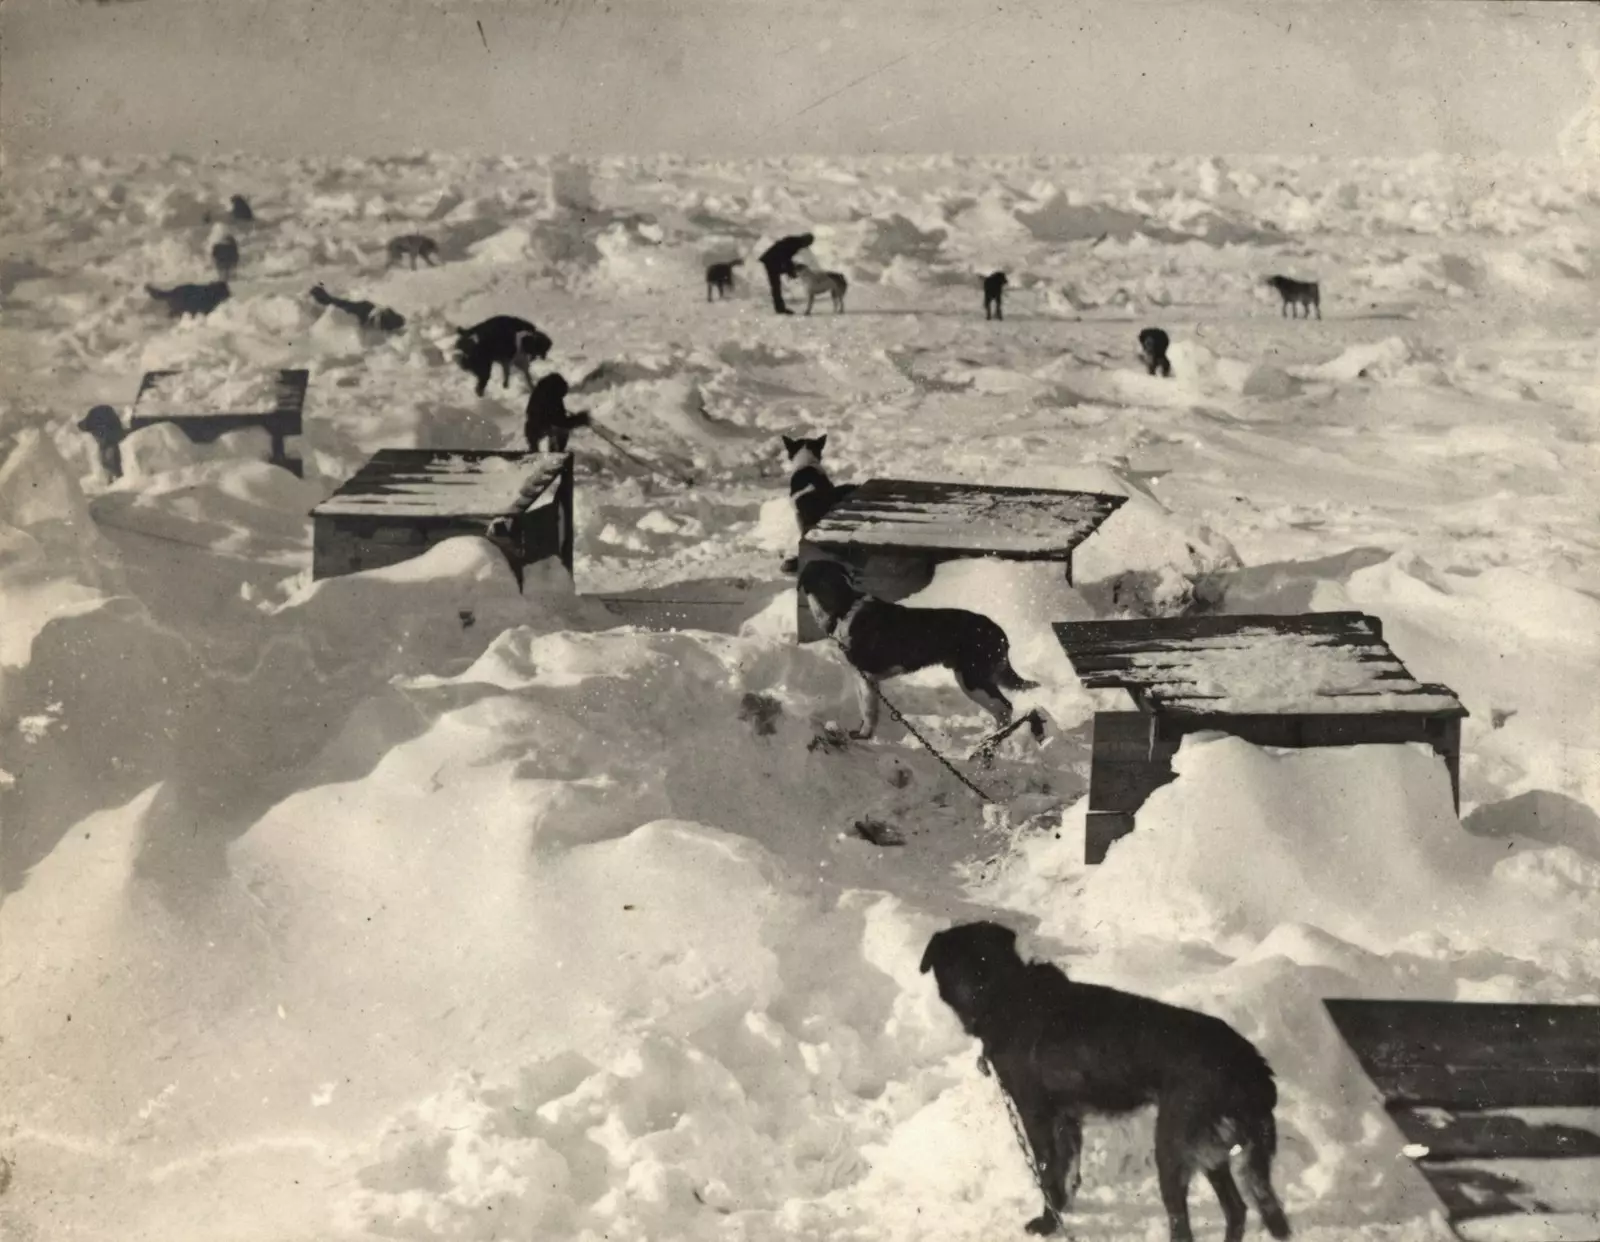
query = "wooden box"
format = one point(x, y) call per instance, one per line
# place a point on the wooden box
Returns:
point(403, 501)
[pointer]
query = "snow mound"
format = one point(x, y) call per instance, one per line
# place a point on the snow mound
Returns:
point(1144, 558)
point(1323, 830)
point(1379, 360)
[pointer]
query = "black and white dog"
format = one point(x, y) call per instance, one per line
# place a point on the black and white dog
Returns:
point(502, 340)
point(882, 640)
point(811, 491)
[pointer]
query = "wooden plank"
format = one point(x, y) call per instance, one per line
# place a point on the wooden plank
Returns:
point(1112, 635)
point(1102, 830)
point(1475, 1055)
point(1441, 1134)
point(960, 519)
point(1532, 1227)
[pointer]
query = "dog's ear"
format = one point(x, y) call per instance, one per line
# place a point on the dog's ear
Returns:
point(821, 443)
point(791, 446)
point(932, 953)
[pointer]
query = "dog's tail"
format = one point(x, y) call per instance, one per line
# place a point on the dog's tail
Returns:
point(1009, 679)
point(1256, 1174)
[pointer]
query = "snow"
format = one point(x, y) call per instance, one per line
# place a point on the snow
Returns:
point(409, 904)
point(234, 391)
point(450, 486)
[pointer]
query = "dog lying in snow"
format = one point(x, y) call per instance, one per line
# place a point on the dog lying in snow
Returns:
point(413, 246)
point(367, 314)
point(502, 340)
point(811, 491)
point(817, 283)
point(1065, 1050)
point(719, 276)
point(882, 640)
point(183, 300)
point(1153, 344)
point(994, 289)
point(1302, 294)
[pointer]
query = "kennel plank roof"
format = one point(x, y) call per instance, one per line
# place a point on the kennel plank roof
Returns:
point(445, 483)
point(957, 519)
point(1312, 664)
point(1499, 1106)
point(176, 395)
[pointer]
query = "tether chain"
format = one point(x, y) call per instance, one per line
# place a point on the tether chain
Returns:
point(1022, 1142)
point(911, 728)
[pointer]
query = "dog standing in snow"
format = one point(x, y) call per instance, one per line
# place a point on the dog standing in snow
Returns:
point(719, 277)
point(549, 422)
point(504, 341)
point(994, 288)
point(811, 491)
point(1297, 295)
point(413, 246)
point(1064, 1050)
point(225, 254)
point(882, 640)
point(817, 283)
point(1153, 344)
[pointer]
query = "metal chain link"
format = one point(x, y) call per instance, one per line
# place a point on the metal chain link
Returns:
point(1033, 1163)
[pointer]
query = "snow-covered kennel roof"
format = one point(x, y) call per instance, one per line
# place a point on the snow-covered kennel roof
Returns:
point(1312, 664)
point(445, 483)
point(1018, 523)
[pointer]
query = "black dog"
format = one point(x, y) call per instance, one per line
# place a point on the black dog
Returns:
point(503, 339)
point(1153, 344)
point(1065, 1050)
point(367, 314)
point(225, 254)
point(183, 300)
point(1297, 295)
point(549, 422)
point(719, 276)
point(241, 209)
point(994, 288)
point(882, 640)
point(105, 425)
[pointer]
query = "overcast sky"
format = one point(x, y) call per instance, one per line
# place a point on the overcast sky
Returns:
point(824, 76)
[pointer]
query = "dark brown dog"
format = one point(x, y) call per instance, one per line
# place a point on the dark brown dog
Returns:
point(1065, 1050)
point(719, 277)
point(1153, 344)
point(994, 292)
point(183, 300)
point(1298, 295)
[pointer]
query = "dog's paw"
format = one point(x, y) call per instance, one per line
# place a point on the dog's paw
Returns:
point(861, 735)
point(1042, 1225)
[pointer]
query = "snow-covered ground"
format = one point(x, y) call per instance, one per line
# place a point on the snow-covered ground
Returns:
point(402, 905)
